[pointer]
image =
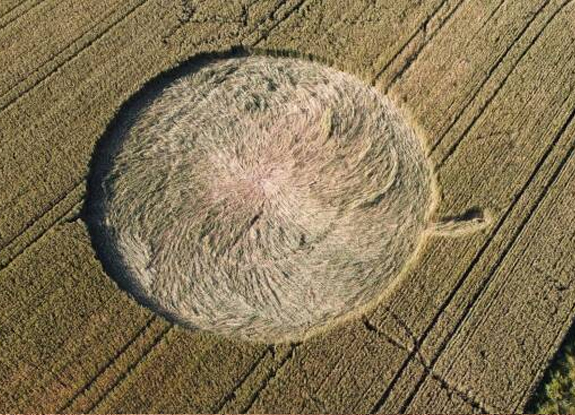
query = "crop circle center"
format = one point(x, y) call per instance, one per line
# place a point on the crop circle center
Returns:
point(260, 197)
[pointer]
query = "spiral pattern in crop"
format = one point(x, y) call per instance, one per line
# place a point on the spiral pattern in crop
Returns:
point(261, 197)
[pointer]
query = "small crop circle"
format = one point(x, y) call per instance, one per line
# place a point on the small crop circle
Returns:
point(260, 197)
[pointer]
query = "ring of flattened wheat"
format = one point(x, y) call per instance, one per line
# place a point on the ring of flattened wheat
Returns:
point(261, 197)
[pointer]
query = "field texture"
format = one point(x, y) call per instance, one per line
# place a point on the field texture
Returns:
point(470, 327)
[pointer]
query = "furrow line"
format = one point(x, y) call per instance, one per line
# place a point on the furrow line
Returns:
point(516, 234)
point(12, 8)
point(413, 57)
point(335, 27)
point(347, 368)
point(107, 365)
point(58, 54)
point(371, 327)
point(130, 368)
point(500, 289)
point(493, 13)
point(335, 367)
point(268, 31)
point(52, 204)
point(33, 6)
point(426, 367)
point(75, 187)
point(228, 397)
point(380, 73)
point(270, 377)
point(453, 147)
point(71, 58)
point(411, 350)
point(379, 403)
point(474, 262)
point(492, 70)
point(475, 404)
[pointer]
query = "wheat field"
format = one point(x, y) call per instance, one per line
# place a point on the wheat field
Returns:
point(469, 319)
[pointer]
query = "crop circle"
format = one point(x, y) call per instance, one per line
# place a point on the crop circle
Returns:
point(260, 197)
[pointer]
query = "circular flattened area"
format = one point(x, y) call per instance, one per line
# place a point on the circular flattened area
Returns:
point(260, 197)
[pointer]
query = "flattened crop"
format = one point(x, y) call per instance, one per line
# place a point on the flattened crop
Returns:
point(260, 196)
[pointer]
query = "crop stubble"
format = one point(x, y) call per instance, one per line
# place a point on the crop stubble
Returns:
point(491, 81)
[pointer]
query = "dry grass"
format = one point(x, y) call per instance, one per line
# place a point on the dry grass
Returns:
point(261, 197)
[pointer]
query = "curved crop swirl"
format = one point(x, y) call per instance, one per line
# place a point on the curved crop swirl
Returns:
point(262, 197)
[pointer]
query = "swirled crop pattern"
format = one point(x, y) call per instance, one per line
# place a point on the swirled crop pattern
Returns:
point(262, 197)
